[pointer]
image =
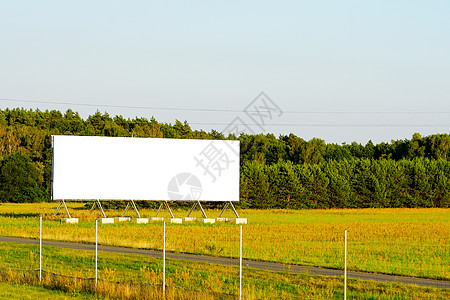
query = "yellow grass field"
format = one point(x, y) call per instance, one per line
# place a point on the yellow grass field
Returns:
point(412, 242)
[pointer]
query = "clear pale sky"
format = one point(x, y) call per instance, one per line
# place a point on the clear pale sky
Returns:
point(341, 71)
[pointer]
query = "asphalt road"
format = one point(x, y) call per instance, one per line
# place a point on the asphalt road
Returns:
point(277, 267)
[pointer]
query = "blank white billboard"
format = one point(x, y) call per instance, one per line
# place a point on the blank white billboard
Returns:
point(123, 168)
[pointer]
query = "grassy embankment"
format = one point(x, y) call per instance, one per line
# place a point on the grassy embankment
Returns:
point(18, 290)
point(216, 280)
point(412, 242)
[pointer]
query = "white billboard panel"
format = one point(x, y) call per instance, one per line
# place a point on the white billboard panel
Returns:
point(122, 168)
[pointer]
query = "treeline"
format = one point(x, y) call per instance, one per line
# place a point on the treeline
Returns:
point(355, 183)
point(287, 171)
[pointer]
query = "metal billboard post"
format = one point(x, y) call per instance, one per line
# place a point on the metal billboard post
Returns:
point(135, 208)
point(93, 207)
point(229, 204)
point(201, 208)
point(197, 203)
point(101, 208)
point(224, 209)
point(170, 211)
point(234, 209)
point(164, 203)
point(57, 208)
point(192, 209)
point(62, 202)
point(131, 203)
point(99, 205)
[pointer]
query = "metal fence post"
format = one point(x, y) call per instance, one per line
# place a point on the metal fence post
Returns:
point(164, 260)
point(240, 263)
point(40, 248)
point(96, 250)
point(345, 266)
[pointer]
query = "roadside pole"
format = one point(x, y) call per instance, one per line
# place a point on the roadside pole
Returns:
point(96, 250)
point(345, 267)
point(240, 263)
point(164, 260)
point(40, 248)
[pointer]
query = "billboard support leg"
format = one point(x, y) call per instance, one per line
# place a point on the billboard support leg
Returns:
point(126, 209)
point(170, 211)
point(65, 207)
point(229, 204)
point(166, 205)
point(201, 208)
point(62, 202)
point(135, 208)
point(224, 209)
point(131, 203)
point(157, 212)
point(192, 209)
point(93, 207)
point(234, 210)
point(57, 209)
point(97, 203)
point(101, 208)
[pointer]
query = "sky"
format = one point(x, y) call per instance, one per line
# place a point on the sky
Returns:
point(341, 71)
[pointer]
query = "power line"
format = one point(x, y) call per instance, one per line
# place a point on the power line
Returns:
point(120, 106)
point(215, 110)
point(324, 125)
point(386, 125)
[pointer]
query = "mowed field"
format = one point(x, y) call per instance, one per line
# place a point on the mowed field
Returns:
point(410, 242)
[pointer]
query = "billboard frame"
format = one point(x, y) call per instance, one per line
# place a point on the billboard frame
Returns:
point(131, 202)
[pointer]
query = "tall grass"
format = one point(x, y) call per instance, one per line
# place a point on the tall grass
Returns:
point(137, 277)
point(104, 289)
point(412, 242)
